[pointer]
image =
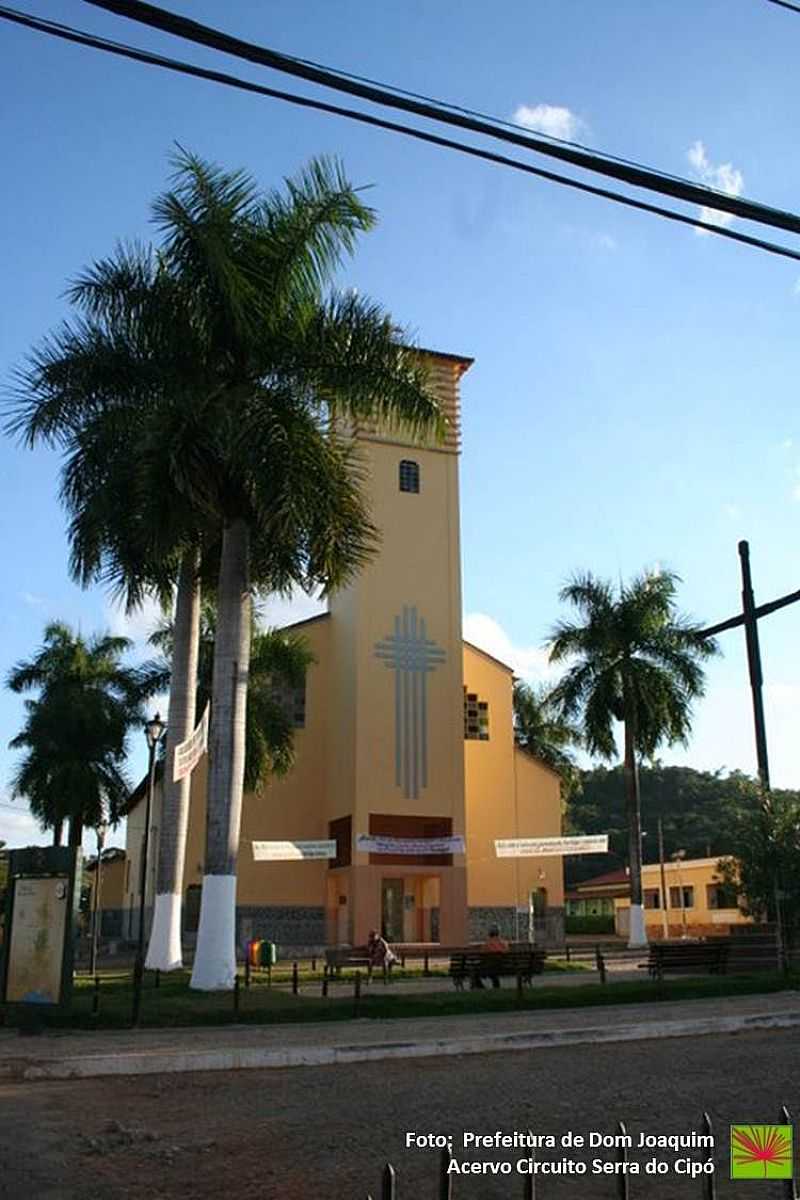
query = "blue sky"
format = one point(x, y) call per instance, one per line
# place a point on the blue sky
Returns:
point(634, 395)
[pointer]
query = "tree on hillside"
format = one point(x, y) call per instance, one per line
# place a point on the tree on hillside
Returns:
point(75, 732)
point(633, 660)
point(767, 838)
point(698, 811)
point(540, 729)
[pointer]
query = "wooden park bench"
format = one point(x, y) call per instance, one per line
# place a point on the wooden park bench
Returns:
point(474, 964)
point(337, 957)
point(687, 957)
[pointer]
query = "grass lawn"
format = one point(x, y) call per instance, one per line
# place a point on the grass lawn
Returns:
point(174, 1004)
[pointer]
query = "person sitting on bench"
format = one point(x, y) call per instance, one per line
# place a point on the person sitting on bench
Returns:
point(379, 953)
point(494, 944)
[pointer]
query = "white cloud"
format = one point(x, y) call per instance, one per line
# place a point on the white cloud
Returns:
point(604, 241)
point(17, 826)
point(31, 600)
point(723, 178)
point(554, 120)
point(277, 611)
point(731, 510)
point(796, 492)
point(137, 625)
point(722, 734)
point(787, 443)
point(529, 662)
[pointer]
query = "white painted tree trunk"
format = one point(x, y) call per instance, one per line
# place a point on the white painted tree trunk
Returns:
point(164, 952)
point(637, 935)
point(215, 954)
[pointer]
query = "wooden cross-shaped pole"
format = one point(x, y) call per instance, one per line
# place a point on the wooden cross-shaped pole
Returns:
point(749, 618)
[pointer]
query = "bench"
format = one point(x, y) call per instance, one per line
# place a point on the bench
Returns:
point(349, 956)
point(689, 957)
point(480, 964)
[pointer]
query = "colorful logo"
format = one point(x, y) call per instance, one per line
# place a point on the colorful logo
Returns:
point(761, 1152)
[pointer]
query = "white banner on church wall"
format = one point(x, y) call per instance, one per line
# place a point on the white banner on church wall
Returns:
point(369, 843)
point(293, 851)
point(541, 847)
point(189, 753)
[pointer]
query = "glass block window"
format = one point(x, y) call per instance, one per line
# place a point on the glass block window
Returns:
point(293, 702)
point(409, 475)
point(476, 717)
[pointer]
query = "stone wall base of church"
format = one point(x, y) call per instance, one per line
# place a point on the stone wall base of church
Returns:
point(549, 930)
point(292, 928)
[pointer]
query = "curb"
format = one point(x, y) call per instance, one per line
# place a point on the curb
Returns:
point(255, 1057)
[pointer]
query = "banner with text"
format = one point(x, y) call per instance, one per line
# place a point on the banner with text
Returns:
point(189, 753)
point(541, 847)
point(293, 851)
point(368, 843)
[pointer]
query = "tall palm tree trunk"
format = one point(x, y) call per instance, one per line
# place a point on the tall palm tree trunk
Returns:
point(75, 832)
point(164, 951)
point(215, 955)
point(637, 935)
point(58, 831)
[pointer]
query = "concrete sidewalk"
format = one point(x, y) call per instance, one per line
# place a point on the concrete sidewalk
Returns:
point(146, 1052)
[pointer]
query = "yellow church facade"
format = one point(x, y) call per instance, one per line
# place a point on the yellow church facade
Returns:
point(404, 744)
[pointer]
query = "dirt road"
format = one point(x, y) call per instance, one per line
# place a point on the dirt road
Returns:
point(326, 1132)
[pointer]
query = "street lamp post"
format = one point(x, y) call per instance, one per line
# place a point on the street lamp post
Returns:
point(677, 858)
point(101, 831)
point(154, 731)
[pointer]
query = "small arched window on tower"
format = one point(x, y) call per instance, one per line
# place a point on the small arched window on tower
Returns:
point(409, 475)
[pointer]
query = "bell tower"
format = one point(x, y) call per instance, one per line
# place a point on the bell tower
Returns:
point(396, 755)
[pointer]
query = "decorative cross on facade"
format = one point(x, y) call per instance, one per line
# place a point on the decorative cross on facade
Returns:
point(412, 656)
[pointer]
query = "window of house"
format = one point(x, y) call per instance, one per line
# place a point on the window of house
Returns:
point(675, 897)
point(722, 895)
point(652, 898)
point(409, 475)
point(476, 717)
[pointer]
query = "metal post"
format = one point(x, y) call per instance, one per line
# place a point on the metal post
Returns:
point(357, 991)
point(138, 967)
point(247, 969)
point(445, 1179)
point(98, 875)
point(790, 1191)
point(294, 979)
point(388, 1183)
point(623, 1189)
point(236, 993)
point(96, 996)
point(324, 985)
point(529, 1185)
point(756, 686)
point(709, 1181)
point(664, 892)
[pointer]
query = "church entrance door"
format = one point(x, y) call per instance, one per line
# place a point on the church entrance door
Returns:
point(392, 909)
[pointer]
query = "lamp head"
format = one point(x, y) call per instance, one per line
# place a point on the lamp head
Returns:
point(154, 730)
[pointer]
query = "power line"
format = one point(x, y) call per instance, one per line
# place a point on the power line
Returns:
point(795, 8)
point(135, 54)
point(636, 176)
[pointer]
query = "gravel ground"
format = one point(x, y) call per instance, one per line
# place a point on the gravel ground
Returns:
point(326, 1132)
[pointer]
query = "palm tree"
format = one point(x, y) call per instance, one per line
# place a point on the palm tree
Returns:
point(75, 731)
point(292, 368)
point(541, 730)
point(278, 663)
point(91, 390)
point(214, 385)
point(637, 661)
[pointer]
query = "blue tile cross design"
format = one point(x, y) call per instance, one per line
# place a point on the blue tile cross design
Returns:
point(412, 656)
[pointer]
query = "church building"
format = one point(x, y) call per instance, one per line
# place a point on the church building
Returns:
point(404, 742)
